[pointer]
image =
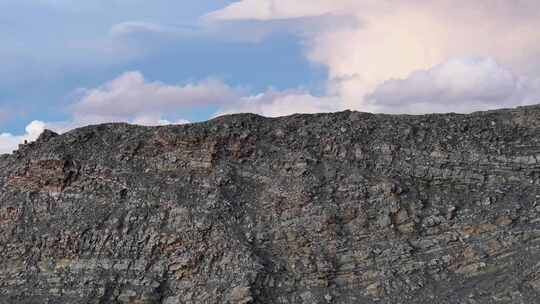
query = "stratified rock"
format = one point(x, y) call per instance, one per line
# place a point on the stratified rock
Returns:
point(329, 208)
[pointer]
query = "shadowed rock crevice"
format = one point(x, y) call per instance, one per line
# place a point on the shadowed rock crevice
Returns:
point(346, 207)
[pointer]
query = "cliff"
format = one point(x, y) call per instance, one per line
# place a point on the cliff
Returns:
point(330, 208)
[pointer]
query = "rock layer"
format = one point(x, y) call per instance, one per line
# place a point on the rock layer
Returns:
point(330, 208)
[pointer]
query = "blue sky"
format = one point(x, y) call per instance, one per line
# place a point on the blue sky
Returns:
point(49, 54)
point(68, 63)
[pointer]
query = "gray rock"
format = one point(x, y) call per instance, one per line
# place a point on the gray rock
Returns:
point(346, 207)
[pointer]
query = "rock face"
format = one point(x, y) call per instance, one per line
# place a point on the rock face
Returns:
point(330, 208)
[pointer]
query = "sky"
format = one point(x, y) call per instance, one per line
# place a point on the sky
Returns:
point(70, 63)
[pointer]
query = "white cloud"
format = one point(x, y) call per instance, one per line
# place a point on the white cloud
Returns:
point(9, 142)
point(391, 39)
point(277, 9)
point(274, 104)
point(397, 56)
point(131, 98)
point(458, 85)
point(157, 121)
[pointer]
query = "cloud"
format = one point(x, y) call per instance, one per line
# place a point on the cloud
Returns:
point(130, 97)
point(392, 39)
point(277, 9)
point(458, 85)
point(154, 121)
point(275, 103)
point(381, 55)
point(9, 142)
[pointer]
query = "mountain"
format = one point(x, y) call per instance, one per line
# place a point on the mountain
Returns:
point(346, 207)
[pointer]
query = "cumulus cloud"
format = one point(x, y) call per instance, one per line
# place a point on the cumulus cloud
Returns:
point(403, 56)
point(9, 142)
point(130, 97)
point(458, 85)
point(277, 9)
point(281, 103)
point(391, 39)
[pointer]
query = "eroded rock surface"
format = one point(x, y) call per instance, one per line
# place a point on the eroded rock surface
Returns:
point(332, 208)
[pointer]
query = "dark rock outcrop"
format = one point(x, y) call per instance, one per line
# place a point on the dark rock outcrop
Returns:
point(330, 208)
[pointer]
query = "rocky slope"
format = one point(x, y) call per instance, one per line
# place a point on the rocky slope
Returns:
point(331, 208)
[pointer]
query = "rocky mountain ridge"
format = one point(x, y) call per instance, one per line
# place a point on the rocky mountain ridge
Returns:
point(345, 207)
